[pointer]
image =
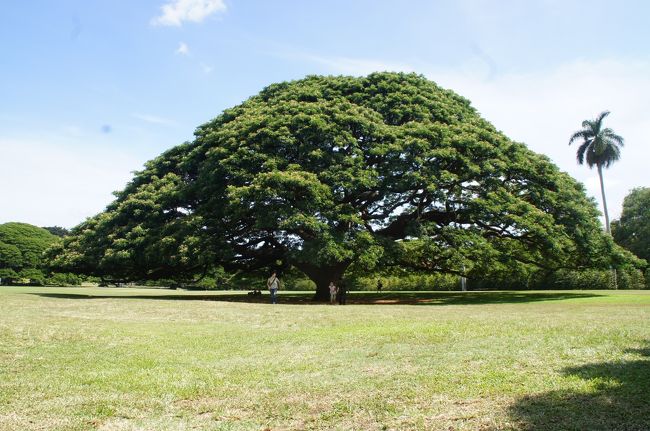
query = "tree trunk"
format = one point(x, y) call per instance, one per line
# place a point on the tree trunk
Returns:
point(322, 276)
point(602, 191)
point(607, 227)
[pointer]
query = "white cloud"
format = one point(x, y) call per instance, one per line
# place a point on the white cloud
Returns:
point(544, 107)
point(178, 11)
point(50, 183)
point(183, 49)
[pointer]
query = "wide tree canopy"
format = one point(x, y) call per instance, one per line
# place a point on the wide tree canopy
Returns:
point(330, 173)
point(21, 251)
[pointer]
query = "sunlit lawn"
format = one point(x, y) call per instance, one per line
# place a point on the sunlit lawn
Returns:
point(137, 359)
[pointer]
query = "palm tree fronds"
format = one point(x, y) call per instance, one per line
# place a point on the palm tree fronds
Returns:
point(611, 155)
point(600, 147)
point(601, 117)
point(609, 133)
point(588, 125)
point(580, 154)
point(580, 134)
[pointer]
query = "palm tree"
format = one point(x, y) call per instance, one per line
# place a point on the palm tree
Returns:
point(600, 147)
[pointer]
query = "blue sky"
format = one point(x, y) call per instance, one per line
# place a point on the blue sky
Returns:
point(90, 90)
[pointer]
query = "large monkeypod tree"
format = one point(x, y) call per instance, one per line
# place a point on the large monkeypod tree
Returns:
point(328, 174)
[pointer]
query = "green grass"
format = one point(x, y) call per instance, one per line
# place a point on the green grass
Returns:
point(145, 359)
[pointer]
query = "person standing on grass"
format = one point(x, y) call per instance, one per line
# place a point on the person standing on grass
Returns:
point(380, 285)
point(342, 292)
point(273, 284)
point(333, 292)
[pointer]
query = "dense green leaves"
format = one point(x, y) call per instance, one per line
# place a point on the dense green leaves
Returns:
point(22, 248)
point(330, 173)
point(632, 231)
point(57, 230)
point(146, 233)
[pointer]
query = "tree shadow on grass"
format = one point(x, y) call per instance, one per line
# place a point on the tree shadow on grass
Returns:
point(364, 298)
point(473, 298)
point(620, 401)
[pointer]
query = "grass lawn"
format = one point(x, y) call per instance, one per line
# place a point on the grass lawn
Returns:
point(146, 359)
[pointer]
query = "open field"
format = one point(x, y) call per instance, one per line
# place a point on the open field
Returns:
point(145, 359)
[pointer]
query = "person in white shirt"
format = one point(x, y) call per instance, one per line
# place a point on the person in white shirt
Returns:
point(333, 291)
point(273, 284)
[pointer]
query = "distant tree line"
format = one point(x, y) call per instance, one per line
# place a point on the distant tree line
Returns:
point(22, 255)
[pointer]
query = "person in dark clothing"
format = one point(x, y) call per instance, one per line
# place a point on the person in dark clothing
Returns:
point(342, 292)
point(380, 285)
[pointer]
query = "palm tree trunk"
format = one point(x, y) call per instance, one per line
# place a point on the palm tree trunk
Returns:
point(602, 191)
point(607, 228)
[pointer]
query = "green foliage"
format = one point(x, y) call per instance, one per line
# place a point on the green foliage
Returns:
point(8, 274)
point(631, 278)
point(22, 248)
point(10, 256)
point(628, 277)
point(327, 174)
point(57, 230)
point(60, 279)
point(23, 255)
point(632, 231)
point(144, 234)
point(588, 279)
point(407, 282)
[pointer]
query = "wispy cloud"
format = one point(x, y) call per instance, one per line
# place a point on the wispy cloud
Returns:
point(183, 49)
point(153, 119)
point(176, 12)
point(207, 69)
